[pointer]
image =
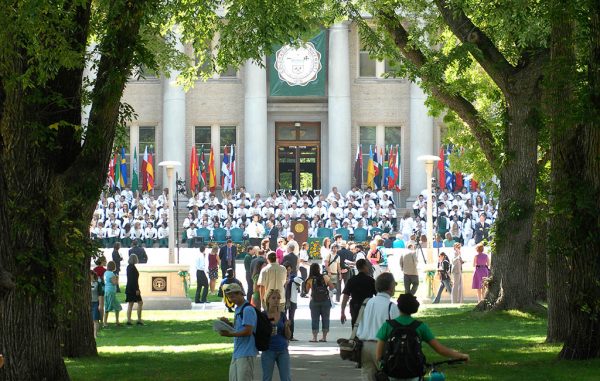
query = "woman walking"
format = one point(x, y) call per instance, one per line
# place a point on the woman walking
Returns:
point(117, 258)
point(481, 263)
point(457, 287)
point(111, 280)
point(132, 290)
point(320, 304)
point(100, 269)
point(213, 268)
point(278, 346)
point(444, 275)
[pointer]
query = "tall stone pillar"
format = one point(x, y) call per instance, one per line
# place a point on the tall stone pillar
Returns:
point(340, 116)
point(255, 128)
point(421, 138)
point(173, 122)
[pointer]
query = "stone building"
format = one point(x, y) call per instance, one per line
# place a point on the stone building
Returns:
point(295, 123)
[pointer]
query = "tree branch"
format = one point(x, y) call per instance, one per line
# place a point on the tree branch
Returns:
point(478, 43)
point(465, 109)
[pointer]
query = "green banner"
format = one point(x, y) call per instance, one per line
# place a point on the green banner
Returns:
point(299, 71)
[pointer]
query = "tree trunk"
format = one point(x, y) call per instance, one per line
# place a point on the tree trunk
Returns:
point(509, 286)
point(537, 261)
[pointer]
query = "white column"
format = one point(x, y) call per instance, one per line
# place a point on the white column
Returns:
point(339, 148)
point(173, 122)
point(421, 138)
point(255, 128)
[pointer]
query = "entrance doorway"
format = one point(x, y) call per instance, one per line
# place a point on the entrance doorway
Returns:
point(298, 156)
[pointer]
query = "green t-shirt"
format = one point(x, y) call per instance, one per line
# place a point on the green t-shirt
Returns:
point(423, 330)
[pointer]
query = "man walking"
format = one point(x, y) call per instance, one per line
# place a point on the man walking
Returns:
point(201, 280)
point(139, 251)
point(247, 266)
point(357, 289)
point(244, 325)
point(408, 264)
point(378, 310)
point(272, 277)
point(227, 255)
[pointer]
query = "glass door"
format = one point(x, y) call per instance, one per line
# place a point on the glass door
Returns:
point(298, 166)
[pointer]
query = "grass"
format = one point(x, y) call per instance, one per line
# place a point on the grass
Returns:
point(180, 345)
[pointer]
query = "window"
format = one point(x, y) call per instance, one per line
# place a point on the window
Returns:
point(230, 72)
point(202, 140)
point(147, 138)
point(207, 65)
point(367, 65)
point(392, 136)
point(228, 138)
point(367, 138)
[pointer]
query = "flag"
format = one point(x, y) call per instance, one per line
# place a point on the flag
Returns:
point(212, 176)
point(117, 172)
point(150, 171)
point(396, 169)
point(392, 173)
point(225, 174)
point(386, 168)
point(202, 169)
point(370, 170)
point(441, 171)
point(449, 174)
point(377, 169)
point(458, 179)
point(232, 167)
point(144, 171)
point(135, 177)
point(193, 170)
point(123, 177)
point(358, 168)
point(111, 173)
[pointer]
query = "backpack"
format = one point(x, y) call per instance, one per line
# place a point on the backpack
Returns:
point(320, 293)
point(262, 335)
point(402, 356)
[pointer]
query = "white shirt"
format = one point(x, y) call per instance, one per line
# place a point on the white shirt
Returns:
point(201, 262)
point(377, 311)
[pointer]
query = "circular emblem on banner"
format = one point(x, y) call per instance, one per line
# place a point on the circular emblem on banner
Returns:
point(299, 228)
point(298, 66)
point(159, 283)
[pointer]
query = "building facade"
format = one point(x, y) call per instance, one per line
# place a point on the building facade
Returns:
point(295, 122)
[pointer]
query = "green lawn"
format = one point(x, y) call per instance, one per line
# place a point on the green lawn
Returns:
point(180, 345)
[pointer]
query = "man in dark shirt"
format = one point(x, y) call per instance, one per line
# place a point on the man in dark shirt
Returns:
point(258, 258)
point(251, 254)
point(139, 251)
point(227, 255)
point(359, 288)
point(481, 229)
point(292, 259)
point(345, 255)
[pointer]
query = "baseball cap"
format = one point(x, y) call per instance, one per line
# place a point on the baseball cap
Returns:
point(233, 287)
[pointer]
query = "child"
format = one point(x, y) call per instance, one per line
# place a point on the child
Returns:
point(229, 278)
point(95, 292)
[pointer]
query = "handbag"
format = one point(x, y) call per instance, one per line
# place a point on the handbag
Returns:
point(351, 348)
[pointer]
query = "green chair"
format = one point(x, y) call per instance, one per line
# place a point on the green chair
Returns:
point(344, 232)
point(220, 235)
point(324, 232)
point(237, 235)
point(203, 233)
point(376, 231)
point(360, 234)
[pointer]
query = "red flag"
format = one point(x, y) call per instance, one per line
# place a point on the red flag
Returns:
point(111, 173)
point(232, 167)
point(441, 170)
point(391, 173)
point(150, 172)
point(474, 184)
point(193, 170)
point(459, 181)
point(212, 175)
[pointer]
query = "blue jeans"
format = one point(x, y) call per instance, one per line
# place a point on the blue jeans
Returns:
point(268, 360)
point(320, 310)
point(443, 284)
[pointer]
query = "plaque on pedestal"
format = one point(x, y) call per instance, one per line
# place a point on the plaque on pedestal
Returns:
point(300, 230)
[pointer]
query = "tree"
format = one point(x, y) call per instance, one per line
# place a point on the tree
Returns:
point(52, 169)
point(473, 59)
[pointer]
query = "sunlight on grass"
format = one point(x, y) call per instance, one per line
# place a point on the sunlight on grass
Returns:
point(213, 348)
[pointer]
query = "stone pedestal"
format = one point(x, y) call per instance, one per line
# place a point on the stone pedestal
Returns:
point(162, 287)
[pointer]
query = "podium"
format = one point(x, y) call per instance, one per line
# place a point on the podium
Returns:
point(300, 230)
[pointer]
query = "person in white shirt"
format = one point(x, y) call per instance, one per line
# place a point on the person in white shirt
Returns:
point(377, 311)
point(191, 234)
point(150, 234)
point(201, 279)
point(163, 235)
point(255, 231)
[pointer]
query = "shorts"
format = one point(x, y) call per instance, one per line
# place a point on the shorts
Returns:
point(95, 311)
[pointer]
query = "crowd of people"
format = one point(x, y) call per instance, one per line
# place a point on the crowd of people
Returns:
point(275, 284)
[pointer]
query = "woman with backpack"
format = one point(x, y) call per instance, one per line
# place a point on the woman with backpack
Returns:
point(444, 275)
point(320, 304)
point(407, 333)
point(278, 345)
